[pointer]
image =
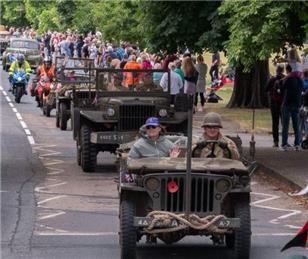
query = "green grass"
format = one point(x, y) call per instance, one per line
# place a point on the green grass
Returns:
point(240, 115)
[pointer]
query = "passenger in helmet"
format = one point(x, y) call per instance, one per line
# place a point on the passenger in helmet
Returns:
point(211, 132)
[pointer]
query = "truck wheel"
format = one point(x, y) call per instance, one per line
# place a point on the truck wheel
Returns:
point(63, 116)
point(128, 235)
point(240, 240)
point(88, 151)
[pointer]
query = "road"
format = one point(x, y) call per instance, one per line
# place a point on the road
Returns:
point(51, 209)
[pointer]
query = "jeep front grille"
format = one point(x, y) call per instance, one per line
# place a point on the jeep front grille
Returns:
point(132, 117)
point(202, 195)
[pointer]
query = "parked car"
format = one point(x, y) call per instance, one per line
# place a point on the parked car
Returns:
point(28, 47)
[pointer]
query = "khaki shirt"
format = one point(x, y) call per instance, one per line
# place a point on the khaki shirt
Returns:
point(218, 151)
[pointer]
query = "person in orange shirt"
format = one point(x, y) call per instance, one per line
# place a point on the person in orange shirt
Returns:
point(46, 75)
point(46, 69)
point(131, 79)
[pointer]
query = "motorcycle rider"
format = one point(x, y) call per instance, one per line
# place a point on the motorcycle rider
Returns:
point(46, 72)
point(20, 64)
point(211, 126)
point(46, 69)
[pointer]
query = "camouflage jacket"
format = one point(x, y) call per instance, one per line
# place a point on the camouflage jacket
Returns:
point(219, 151)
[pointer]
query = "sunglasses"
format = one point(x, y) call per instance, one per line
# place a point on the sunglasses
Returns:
point(151, 127)
point(211, 127)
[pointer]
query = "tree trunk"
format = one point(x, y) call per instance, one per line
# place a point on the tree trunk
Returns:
point(249, 88)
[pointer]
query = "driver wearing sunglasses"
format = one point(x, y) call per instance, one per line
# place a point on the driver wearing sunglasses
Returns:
point(153, 143)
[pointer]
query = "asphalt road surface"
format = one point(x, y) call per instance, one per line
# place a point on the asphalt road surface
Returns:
point(51, 209)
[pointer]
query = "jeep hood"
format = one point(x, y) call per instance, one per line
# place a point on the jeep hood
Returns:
point(146, 165)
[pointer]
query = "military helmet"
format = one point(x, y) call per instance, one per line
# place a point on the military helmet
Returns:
point(212, 119)
point(21, 58)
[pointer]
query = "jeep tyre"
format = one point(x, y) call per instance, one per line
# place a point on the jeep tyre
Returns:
point(78, 153)
point(240, 240)
point(63, 116)
point(88, 150)
point(128, 235)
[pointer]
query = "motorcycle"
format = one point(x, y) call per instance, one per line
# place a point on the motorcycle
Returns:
point(19, 82)
point(42, 91)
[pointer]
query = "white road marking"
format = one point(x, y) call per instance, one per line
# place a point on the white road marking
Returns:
point(52, 215)
point(18, 116)
point(51, 199)
point(23, 124)
point(270, 198)
point(40, 189)
point(31, 140)
point(292, 226)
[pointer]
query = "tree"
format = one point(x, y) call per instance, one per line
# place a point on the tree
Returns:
point(118, 21)
point(175, 26)
point(258, 29)
point(13, 13)
point(43, 17)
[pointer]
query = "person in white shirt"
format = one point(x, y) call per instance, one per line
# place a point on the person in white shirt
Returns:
point(176, 82)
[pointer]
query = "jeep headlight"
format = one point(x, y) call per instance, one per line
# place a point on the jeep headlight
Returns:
point(152, 184)
point(223, 185)
point(110, 112)
point(163, 113)
point(244, 180)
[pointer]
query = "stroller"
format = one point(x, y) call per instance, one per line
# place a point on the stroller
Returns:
point(212, 97)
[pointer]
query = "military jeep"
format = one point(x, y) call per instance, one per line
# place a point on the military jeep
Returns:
point(118, 109)
point(74, 77)
point(153, 200)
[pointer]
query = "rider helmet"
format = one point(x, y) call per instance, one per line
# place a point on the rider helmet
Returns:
point(21, 58)
point(212, 119)
point(47, 59)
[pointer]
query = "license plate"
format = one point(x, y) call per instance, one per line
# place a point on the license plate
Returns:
point(111, 137)
point(145, 222)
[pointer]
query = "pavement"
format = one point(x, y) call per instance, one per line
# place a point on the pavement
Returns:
point(290, 166)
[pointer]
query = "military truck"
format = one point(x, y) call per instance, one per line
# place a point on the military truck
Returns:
point(123, 100)
point(170, 198)
point(74, 76)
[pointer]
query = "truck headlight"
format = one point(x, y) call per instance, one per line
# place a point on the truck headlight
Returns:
point(163, 113)
point(223, 185)
point(110, 112)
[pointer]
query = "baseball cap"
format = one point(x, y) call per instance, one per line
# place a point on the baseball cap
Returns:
point(152, 121)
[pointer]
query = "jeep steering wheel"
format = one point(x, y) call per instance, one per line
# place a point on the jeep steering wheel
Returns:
point(196, 152)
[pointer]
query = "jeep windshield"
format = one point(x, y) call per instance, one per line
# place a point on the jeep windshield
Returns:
point(133, 81)
point(21, 44)
point(74, 70)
